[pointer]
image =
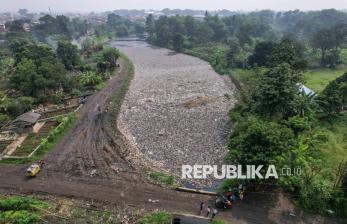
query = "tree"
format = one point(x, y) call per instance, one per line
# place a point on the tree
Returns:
point(111, 56)
point(15, 26)
point(26, 79)
point(122, 31)
point(333, 99)
point(218, 27)
point(258, 142)
point(90, 79)
point(288, 51)
point(150, 26)
point(329, 42)
point(23, 12)
point(233, 52)
point(277, 91)
point(190, 25)
point(38, 72)
point(68, 54)
point(323, 40)
point(177, 42)
point(262, 54)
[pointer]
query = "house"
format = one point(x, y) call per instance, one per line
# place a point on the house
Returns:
point(26, 27)
point(305, 90)
point(2, 28)
point(25, 122)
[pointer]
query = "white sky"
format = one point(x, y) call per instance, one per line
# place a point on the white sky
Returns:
point(108, 5)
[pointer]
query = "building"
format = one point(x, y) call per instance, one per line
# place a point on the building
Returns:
point(25, 123)
point(305, 90)
point(2, 28)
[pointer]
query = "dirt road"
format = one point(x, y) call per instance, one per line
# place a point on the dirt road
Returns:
point(88, 163)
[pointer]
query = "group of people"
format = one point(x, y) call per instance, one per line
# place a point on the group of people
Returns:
point(231, 197)
point(209, 210)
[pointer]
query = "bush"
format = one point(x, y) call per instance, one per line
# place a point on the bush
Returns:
point(259, 142)
point(4, 119)
point(20, 105)
point(19, 217)
point(90, 79)
point(14, 203)
point(162, 178)
point(156, 218)
point(217, 222)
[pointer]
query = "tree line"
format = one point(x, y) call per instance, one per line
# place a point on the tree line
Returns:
point(320, 33)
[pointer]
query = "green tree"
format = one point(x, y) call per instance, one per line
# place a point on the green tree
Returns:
point(262, 54)
point(122, 31)
point(111, 55)
point(177, 42)
point(38, 72)
point(150, 27)
point(233, 52)
point(288, 51)
point(333, 99)
point(68, 54)
point(277, 92)
point(258, 142)
point(15, 26)
point(90, 79)
point(218, 27)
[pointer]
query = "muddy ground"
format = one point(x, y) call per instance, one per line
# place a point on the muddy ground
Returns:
point(91, 163)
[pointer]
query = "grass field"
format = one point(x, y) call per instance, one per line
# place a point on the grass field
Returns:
point(335, 148)
point(318, 79)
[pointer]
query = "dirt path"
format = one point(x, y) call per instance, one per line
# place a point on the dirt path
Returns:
point(88, 163)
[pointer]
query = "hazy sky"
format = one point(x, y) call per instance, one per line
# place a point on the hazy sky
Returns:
point(105, 5)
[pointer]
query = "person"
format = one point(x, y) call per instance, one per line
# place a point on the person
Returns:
point(208, 211)
point(214, 213)
point(202, 204)
point(241, 195)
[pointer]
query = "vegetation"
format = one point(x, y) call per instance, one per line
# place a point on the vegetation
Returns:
point(318, 79)
point(27, 210)
point(20, 210)
point(295, 134)
point(269, 55)
point(43, 66)
point(162, 178)
point(158, 217)
point(45, 143)
point(217, 222)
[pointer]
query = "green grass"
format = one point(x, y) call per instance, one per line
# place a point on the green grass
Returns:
point(318, 79)
point(156, 218)
point(217, 222)
point(54, 137)
point(162, 178)
point(206, 52)
point(242, 75)
point(118, 97)
point(334, 149)
point(21, 210)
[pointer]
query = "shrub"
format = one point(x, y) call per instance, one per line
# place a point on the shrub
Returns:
point(159, 217)
point(19, 217)
point(162, 178)
point(217, 222)
point(14, 203)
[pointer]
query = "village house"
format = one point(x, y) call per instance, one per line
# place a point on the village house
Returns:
point(25, 123)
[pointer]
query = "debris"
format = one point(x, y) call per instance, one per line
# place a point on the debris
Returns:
point(179, 97)
point(93, 172)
